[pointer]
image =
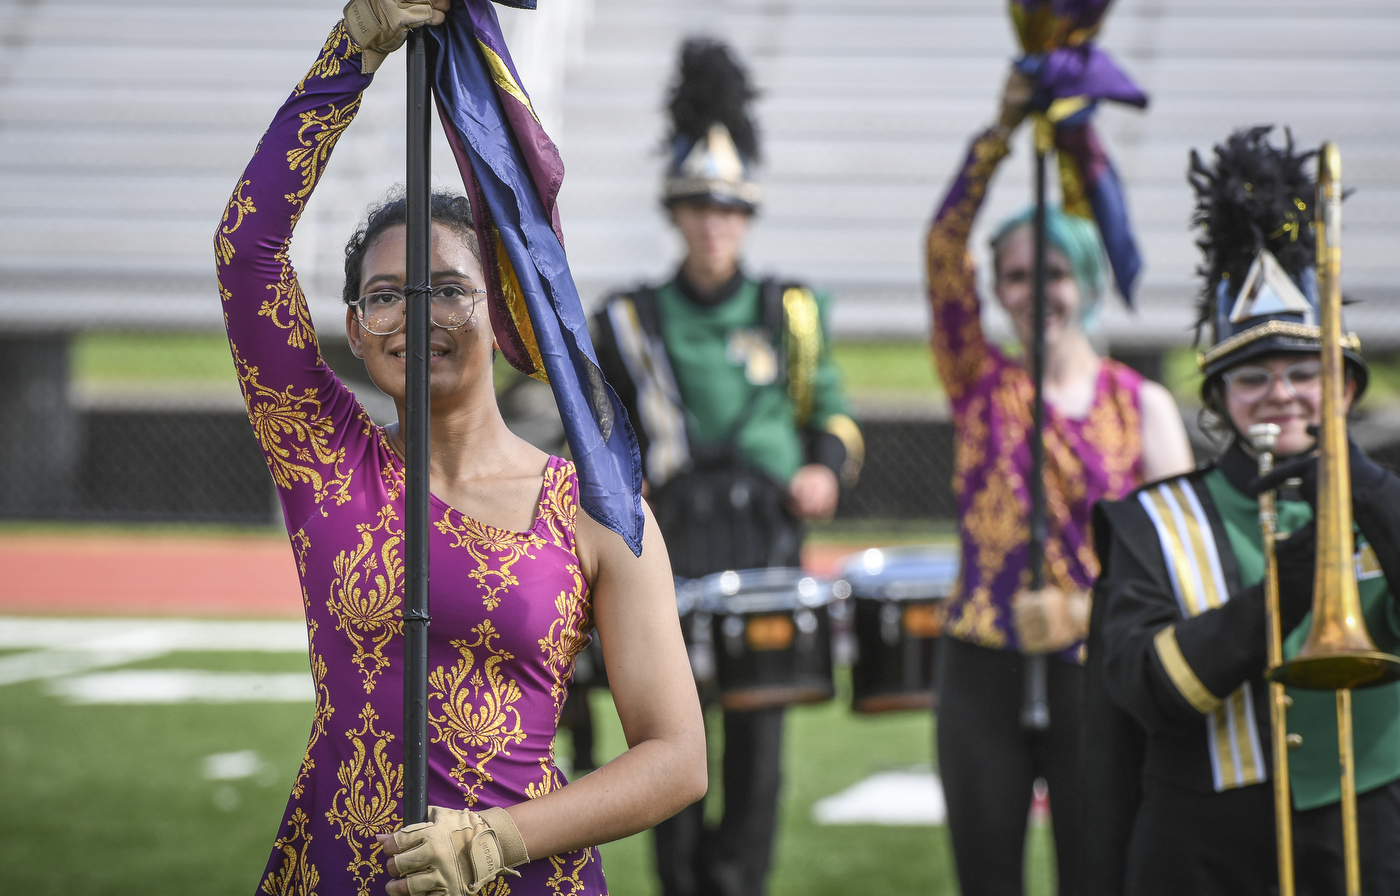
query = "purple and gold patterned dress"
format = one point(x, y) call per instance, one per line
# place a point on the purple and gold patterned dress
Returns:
point(510, 610)
point(1087, 459)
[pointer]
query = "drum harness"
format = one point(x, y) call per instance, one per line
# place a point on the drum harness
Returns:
point(716, 510)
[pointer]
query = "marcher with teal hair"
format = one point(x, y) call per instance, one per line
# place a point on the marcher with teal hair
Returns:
point(1077, 239)
point(1107, 430)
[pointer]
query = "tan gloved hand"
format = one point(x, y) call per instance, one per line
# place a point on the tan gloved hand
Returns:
point(1050, 619)
point(381, 26)
point(457, 851)
point(1015, 101)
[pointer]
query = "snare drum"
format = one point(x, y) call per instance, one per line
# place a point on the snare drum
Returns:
point(771, 635)
point(898, 595)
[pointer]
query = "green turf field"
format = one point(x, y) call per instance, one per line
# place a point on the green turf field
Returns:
point(114, 799)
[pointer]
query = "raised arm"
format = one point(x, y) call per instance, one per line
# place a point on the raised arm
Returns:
point(959, 346)
point(301, 414)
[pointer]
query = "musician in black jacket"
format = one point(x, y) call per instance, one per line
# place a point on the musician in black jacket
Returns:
point(1177, 736)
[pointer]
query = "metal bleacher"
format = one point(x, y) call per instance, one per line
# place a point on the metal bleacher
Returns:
point(868, 106)
point(123, 125)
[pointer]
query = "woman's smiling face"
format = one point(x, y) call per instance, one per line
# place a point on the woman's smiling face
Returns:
point(1291, 400)
point(1015, 287)
point(461, 356)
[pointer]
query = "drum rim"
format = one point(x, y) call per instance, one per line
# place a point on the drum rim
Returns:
point(876, 585)
point(715, 592)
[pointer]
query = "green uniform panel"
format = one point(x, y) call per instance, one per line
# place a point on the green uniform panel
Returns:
point(1314, 767)
point(715, 351)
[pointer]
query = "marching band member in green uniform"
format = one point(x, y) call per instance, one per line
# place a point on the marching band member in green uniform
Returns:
point(1176, 789)
point(742, 425)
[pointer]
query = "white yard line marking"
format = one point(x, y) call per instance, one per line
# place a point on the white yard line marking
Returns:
point(232, 766)
point(61, 647)
point(909, 797)
point(167, 686)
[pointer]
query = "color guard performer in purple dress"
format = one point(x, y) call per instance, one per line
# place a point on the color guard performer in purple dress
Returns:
point(1107, 430)
point(520, 577)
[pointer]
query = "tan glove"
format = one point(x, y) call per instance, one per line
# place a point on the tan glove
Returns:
point(381, 26)
point(457, 851)
point(1049, 619)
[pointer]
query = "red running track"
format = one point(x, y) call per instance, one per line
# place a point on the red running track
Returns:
point(136, 575)
point(139, 575)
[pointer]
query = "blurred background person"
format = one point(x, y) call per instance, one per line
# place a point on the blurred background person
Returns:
point(742, 425)
point(1107, 430)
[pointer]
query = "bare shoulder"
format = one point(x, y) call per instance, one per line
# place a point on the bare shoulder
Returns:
point(608, 561)
point(1157, 400)
point(1166, 449)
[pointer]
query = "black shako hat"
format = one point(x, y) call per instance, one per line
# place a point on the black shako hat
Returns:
point(1254, 205)
point(713, 142)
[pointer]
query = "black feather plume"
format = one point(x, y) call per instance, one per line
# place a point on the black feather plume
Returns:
point(1256, 196)
point(712, 86)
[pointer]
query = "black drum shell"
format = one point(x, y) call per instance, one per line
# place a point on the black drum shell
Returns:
point(760, 677)
point(896, 654)
point(897, 599)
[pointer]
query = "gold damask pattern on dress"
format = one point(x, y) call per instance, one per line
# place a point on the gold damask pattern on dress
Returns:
point(338, 44)
point(366, 803)
point(323, 711)
point(494, 550)
point(317, 136)
point(296, 876)
point(365, 594)
point(559, 505)
point(1114, 428)
point(977, 620)
point(996, 519)
point(478, 720)
point(277, 414)
point(549, 777)
point(971, 445)
point(952, 284)
point(301, 543)
point(566, 880)
point(238, 206)
point(568, 635)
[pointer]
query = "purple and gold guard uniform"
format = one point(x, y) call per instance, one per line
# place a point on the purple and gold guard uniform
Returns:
point(1087, 459)
point(510, 610)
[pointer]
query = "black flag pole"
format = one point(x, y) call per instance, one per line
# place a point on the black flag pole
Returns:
point(1035, 708)
point(419, 332)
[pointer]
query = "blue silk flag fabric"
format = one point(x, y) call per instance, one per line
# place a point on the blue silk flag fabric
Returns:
point(1071, 76)
point(512, 173)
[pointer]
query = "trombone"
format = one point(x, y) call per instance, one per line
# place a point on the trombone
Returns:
point(1339, 654)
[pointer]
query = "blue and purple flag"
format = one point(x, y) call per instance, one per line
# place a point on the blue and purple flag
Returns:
point(512, 172)
point(1071, 76)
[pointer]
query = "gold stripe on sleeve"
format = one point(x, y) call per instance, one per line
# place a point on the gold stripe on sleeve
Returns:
point(1179, 671)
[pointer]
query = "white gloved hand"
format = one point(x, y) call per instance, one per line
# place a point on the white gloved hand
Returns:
point(381, 26)
point(457, 851)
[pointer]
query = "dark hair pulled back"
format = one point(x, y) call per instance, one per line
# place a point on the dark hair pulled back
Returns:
point(449, 209)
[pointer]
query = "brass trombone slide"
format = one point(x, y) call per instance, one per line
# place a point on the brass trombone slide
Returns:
point(1264, 437)
point(1339, 654)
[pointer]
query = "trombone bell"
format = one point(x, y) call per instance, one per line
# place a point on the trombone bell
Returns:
point(1339, 653)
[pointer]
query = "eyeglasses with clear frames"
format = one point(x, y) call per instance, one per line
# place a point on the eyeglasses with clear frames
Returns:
point(382, 311)
point(1250, 384)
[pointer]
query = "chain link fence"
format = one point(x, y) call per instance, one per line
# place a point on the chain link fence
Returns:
point(78, 450)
